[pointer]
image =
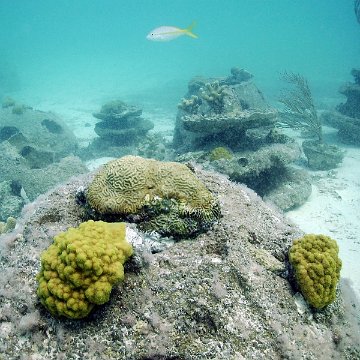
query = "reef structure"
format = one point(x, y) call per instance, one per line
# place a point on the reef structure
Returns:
point(218, 112)
point(121, 126)
point(232, 113)
point(222, 295)
point(346, 118)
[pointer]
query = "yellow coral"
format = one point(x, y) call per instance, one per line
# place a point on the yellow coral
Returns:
point(317, 268)
point(8, 226)
point(79, 269)
point(220, 153)
point(126, 185)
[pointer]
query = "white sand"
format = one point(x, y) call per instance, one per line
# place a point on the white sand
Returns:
point(333, 209)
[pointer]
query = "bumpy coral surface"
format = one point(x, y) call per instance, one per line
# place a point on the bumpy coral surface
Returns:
point(220, 153)
point(167, 196)
point(317, 268)
point(79, 269)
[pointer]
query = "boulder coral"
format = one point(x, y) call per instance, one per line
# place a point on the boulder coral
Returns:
point(165, 197)
point(317, 268)
point(80, 268)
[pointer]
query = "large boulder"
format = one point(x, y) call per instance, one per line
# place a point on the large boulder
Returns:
point(349, 127)
point(40, 138)
point(222, 295)
point(23, 183)
point(219, 111)
point(267, 171)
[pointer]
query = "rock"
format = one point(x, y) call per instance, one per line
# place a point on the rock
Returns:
point(265, 170)
point(47, 140)
point(352, 92)
point(35, 181)
point(121, 124)
point(10, 203)
point(322, 156)
point(218, 112)
point(293, 189)
point(120, 131)
point(215, 124)
point(218, 296)
point(349, 127)
point(238, 76)
point(232, 113)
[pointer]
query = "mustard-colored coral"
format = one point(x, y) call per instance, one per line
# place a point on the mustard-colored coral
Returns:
point(220, 153)
point(134, 185)
point(317, 268)
point(79, 269)
point(7, 226)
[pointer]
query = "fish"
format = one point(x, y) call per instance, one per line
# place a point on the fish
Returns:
point(167, 33)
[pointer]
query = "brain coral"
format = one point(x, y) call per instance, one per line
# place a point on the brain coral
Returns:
point(317, 268)
point(166, 196)
point(79, 269)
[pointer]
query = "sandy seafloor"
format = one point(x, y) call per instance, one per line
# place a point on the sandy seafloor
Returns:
point(333, 208)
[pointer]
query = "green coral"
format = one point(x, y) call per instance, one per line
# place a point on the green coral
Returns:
point(79, 269)
point(158, 193)
point(220, 153)
point(317, 266)
point(18, 109)
point(7, 226)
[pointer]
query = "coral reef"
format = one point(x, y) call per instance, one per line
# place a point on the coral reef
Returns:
point(11, 200)
point(218, 112)
point(240, 120)
point(317, 266)
point(222, 296)
point(80, 268)
point(165, 197)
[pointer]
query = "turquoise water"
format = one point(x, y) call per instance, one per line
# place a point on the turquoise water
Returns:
point(67, 58)
point(99, 47)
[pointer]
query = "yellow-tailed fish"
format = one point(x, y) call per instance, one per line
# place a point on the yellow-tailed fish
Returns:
point(167, 33)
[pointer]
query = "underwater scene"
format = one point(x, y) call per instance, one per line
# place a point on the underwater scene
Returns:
point(179, 180)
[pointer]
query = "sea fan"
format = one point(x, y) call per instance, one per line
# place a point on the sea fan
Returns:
point(299, 110)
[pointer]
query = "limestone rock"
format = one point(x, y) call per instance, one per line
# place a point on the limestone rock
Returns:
point(219, 296)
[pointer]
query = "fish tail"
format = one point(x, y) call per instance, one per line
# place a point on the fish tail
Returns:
point(188, 30)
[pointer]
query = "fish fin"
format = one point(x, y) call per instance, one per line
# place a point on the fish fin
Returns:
point(188, 30)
